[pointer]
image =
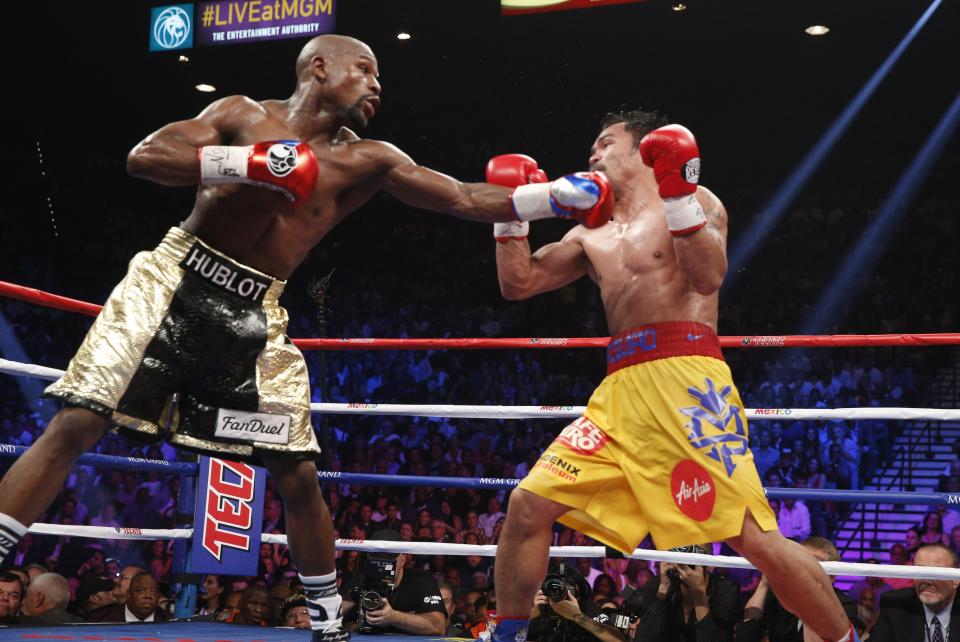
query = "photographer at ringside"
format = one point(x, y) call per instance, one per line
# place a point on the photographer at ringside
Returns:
point(385, 597)
point(691, 605)
point(563, 612)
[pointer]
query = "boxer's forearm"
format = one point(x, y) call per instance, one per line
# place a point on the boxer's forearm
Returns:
point(523, 275)
point(702, 258)
point(513, 268)
point(424, 188)
point(484, 202)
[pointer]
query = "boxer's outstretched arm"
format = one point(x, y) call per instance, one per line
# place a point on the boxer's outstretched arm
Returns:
point(169, 155)
point(425, 188)
point(703, 254)
point(523, 275)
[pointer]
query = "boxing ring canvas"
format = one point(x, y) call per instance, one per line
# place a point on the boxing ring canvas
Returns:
point(178, 632)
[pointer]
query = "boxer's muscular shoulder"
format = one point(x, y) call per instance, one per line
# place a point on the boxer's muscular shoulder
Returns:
point(235, 106)
point(232, 114)
point(377, 153)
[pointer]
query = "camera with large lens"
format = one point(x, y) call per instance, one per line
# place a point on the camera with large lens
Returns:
point(370, 600)
point(555, 586)
point(379, 577)
point(634, 605)
point(672, 574)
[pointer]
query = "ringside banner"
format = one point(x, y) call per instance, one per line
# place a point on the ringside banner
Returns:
point(236, 21)
point(227, 518)
point(521, 7)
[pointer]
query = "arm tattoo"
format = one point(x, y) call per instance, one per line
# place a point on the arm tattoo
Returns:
point(589, 624)
point(716, 215)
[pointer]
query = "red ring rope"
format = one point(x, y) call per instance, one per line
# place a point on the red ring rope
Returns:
point(31, 295)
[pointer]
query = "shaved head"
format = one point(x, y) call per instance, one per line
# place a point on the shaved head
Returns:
point(337, 76)
point(330, 47)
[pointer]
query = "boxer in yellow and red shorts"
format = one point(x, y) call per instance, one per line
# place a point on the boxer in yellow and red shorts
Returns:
point(661, 448)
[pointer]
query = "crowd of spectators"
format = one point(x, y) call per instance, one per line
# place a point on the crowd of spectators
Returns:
point(787, 453)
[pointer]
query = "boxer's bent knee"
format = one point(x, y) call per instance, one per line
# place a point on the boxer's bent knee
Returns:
point(72, 432)
point(531, 513)
point(296, 481)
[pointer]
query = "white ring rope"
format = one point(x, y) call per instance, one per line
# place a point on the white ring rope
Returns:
point(529, 412)
point(29, 370)
point(490, 550)
point(557, 412)
point(109, 532)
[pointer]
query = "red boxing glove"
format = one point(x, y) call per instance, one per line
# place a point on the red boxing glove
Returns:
point(286, 166)
point(672, 153)
point(514, 170)
point(601, 212)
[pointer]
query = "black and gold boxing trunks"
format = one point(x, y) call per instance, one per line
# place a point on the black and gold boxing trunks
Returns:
point(191, 347)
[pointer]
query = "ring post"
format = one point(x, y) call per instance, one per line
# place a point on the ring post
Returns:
point(186, 590)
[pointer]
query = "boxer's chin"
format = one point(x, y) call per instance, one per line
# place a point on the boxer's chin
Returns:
point(355, 116)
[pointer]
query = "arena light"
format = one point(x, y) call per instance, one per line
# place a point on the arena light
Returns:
point(752, 238)
point(403, 35)
point(205, 88)
point(679, 7)
point(183, 58)
point(861, 259)
point(817, 30)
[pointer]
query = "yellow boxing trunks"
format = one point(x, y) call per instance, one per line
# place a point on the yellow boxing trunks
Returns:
point(661, 448)
point(191, 347)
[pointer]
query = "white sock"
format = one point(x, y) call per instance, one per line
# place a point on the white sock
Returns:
point(11, 532)
point(323, 601)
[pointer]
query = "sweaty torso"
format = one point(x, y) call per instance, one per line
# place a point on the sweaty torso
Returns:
point(633, 262)
point(261, 228)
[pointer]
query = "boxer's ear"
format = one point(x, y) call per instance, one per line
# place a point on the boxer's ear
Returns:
point(319, 67)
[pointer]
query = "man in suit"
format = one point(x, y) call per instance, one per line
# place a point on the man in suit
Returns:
point(46, 601)
point(142, 604)
point(926, 612)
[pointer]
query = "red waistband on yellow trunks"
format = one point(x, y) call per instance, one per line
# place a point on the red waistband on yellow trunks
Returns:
point(659, 341)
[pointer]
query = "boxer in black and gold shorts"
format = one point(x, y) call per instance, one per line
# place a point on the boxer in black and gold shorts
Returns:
point(191, 344)
point(191, 347)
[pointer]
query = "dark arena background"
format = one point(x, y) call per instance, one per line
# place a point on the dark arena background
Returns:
point(836, 156)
